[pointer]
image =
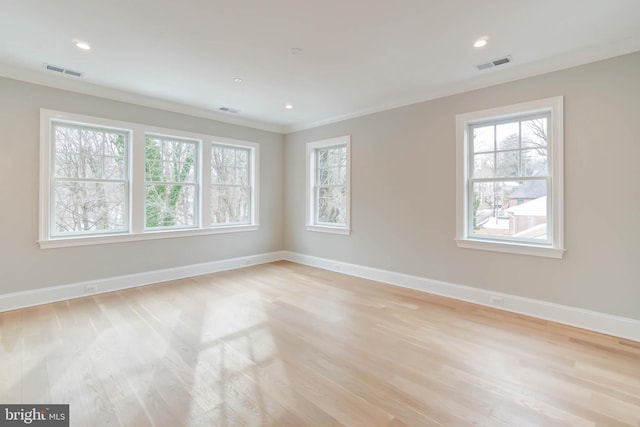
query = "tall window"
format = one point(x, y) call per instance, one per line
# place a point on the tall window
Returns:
point(89, 180)
point(328, 185)
point(171, 182)
point(231, 178)
point(510, 178)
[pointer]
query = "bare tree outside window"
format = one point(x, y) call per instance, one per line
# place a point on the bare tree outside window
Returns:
point(331, 177)
point(230, 185)
point(104, 181)
point(89, 180)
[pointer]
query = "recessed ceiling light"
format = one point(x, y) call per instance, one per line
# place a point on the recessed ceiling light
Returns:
point(289, 107)
point(480, 42)
point(237, 80)
point(83, 45)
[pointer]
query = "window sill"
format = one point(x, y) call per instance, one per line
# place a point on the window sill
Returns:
point(62, 242)
point(513, 248)
point(329, 229)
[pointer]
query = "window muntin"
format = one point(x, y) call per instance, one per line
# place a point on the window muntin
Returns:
point(328, 183)
point(509, 180)
point(231, 185)
point(171, 182)
point(89, 181)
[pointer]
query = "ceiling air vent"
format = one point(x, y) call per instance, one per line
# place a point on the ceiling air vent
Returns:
point(494, 63)
point(62, 70)
point(228, 110)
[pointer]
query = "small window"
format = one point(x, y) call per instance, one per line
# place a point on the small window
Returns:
point(89, 180)
point(171, 182)
point(328, 189)
point(510, 179)
point(232, 189)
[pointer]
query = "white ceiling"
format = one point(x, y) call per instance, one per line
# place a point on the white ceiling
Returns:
point(358, 56)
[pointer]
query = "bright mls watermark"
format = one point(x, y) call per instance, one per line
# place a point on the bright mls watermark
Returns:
point(34, 415)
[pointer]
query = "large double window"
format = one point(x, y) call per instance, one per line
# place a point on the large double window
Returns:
point(510, 179)
point(104, 181)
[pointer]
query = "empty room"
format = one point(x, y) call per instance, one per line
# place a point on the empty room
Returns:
point(328, 213)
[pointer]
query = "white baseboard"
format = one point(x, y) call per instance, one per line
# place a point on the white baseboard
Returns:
point(30, 298)
point(592, 320)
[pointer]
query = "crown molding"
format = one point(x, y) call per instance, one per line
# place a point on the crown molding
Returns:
point(488, 78)
point(72, 84)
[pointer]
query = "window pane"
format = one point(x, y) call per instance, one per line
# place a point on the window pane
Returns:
point(507, 136)
point(229, 166)
point(332, 157)
point(332, 205)
point(229, 175)
point(483, 139)
point(170, 205)
point(215, 176)
point(242, 158)
point(66, 165)
point(230, 205)
point(508, 163)
point(89, 206)
point(322, 158)
point(184, 171)
point(338, 156)
point(67, 140)
point(170, 161)
point(534, 162)
point(153, 170)
point(229, 156)
point(242, 176)
point(484, 165)
point(153, 156)
point(509, 208)
point(113, 168)
point(114, 145)
point(91, 142)
point(216, 157)
point(89, 154)
point(342, 173)
point(534, 133)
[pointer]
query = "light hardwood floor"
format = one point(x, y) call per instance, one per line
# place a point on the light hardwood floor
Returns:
point(283, 344)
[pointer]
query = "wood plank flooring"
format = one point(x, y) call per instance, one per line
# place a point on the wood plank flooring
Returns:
point(283, 344)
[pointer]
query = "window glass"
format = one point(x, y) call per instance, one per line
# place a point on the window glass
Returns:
point(89, 180)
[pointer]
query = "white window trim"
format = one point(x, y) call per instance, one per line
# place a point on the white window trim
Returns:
point(311, 224)
point(556, 155)
point(136, 202)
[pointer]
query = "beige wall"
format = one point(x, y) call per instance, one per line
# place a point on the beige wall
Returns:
point(403, 192)
point(24, 266)
point(403, 186)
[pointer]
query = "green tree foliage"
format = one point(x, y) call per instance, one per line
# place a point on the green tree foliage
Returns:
point(168, 164)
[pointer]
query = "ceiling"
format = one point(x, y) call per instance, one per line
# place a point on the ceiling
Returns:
point(330, 59)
